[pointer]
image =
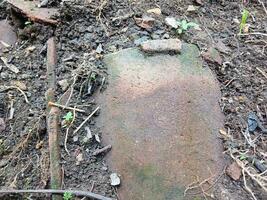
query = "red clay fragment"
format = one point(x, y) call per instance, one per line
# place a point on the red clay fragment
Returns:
point(161, 46)
point(35, 14)
point(234, 171)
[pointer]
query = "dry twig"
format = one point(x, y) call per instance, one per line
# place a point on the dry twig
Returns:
point(65, 107)
point(262, 72)
point(103, 3)
point(197, 184)
point(81, 125)
point(253, 33)
point(74, 192)
point(104, 149)
point(17, 88)
point(263, 5)
point(260, 179)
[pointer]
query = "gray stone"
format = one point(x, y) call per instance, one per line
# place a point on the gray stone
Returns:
point(115, 179)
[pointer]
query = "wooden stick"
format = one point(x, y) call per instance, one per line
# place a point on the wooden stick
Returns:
point(53, 119)
point(65, 107)
point(74, 192)
point(104, 149)
point(81, 125)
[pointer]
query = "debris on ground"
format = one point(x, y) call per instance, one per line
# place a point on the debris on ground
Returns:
point(234, 171)
point(8, 35)
point(199, 2)
point(2, 124)
point(64, 84)
point(172, 22)
point(102, 150)
point(156, 11)
point(212, 55)
point(79, 158)
point(254, 122)
point(34, 12)
point(115, 179)
point(221, 47)
point(145, 22)
point(191, 8)
point(162, 46)
point(11, 67)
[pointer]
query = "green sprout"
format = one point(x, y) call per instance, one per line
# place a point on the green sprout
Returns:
point(93, 76)
point(245, 15)
point(243, 157)
point(67, 196)
point(184, 26)
point(67, 119)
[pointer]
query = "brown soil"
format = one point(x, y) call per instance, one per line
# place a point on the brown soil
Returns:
point(83, 27)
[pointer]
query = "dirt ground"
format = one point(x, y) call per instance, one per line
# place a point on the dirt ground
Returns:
point(87, 25)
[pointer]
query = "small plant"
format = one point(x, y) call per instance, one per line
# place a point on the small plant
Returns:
point(67, 119)
point(243, 157)
point(67, 196)
point(184, 26)
point(245, 15)
point(93, 76)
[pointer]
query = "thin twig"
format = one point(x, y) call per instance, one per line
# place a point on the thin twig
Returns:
point(245, 184)
point(17, 88)
point(263, 5)
point(253, 33)
point(92, 187)
point(262, 72)
point(229, 82)
point(81, 125)
point(100, 8)
point(65, 107)
point(71, 90)
point(74, 192)
point(261, 181)
point(194, 183)
point(104, 149)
